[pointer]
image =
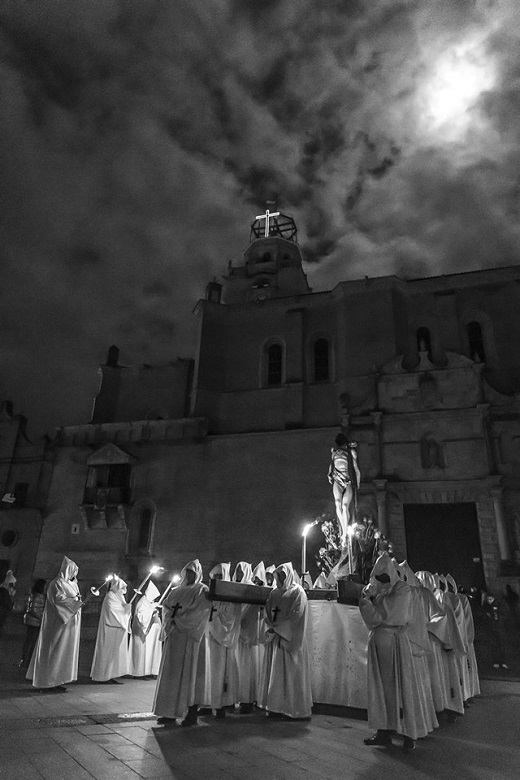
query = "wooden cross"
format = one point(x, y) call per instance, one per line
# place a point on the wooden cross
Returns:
point(213, 609)
point(275, 612)
point(176, 608)
point(267, 216)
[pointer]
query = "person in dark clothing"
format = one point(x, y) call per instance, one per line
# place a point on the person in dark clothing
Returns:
point(33, 619)
point(493, 621)
point(7, 591)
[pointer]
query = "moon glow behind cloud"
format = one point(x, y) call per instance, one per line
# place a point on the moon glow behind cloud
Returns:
point(452, 88)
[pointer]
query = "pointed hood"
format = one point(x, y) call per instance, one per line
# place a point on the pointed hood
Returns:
point(450, 581)
point(68, 569)
point(191, 566)
point(117, 585)
point(224, 569)
point(290, 580)
point(385, 565)
point(426, 579)
point(259, 572)
point(247, 572)
point(408, 575)
point(152, 592)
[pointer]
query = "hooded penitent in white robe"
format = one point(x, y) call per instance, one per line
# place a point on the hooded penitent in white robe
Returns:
point(285, 685)
point(111, 657)
point(55, 657)
point(393, 700)
point(259, 574)
point(437, 625)
point(249, 641)
point(464, 617)
point(221, 685)
point(145, 645)
point(270, 570)
point(181, 679)
point(421, 647)
point(453, 650)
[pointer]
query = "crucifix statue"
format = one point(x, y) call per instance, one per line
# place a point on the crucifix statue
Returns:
point(268, 216)
point(345, 478)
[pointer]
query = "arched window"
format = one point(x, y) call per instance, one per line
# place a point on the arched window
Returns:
point(424, 341)
point(476, 342)
point(274, 365)
point(321, 360)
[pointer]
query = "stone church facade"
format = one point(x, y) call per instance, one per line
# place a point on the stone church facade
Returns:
point(225, 456)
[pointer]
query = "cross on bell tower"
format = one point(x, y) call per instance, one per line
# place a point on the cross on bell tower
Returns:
point(268, 216)
point(273, 223)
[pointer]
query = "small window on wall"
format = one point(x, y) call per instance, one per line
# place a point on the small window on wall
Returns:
point(424, 341)
point(111, 482)
point(321, 353)
point(476, 342)
point(274, 365)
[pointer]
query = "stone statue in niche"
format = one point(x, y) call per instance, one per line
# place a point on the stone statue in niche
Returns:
point(431, 453)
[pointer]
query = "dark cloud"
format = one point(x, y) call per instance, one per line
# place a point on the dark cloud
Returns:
point(139, 139)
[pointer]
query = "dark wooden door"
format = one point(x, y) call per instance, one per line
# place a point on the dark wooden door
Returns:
point(444, 538)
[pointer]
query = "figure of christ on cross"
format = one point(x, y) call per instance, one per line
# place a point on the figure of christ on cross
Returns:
point(268, 216)
point(345, 478)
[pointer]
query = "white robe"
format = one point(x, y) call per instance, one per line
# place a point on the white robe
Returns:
point(250, 652)
point(394, 701)
point(145, 645)
point(474, 684)
point(437, 633)
point(182, 672)
point(55, 657)
point(285, 685)
point(111, 656)
point(453, 650)
point(221, 681)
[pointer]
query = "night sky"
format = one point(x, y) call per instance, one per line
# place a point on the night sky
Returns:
point(139, 138)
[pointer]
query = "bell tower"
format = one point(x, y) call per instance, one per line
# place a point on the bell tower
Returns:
point(272, 266)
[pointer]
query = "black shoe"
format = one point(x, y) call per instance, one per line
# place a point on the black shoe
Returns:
point(163, 721)
point(246, 709)
point(275, 716)
point(55, 689)
point(191, 717)
point(451, 716)
point(408, 744)
point(381, 738)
